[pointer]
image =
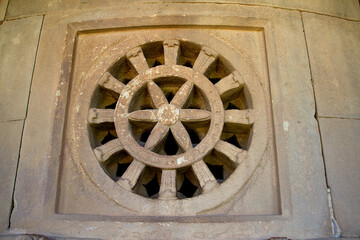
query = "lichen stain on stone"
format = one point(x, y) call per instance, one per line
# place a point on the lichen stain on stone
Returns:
point(286, 126)
point(181, 160)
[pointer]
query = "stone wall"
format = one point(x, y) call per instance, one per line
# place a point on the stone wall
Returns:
point(298, 177)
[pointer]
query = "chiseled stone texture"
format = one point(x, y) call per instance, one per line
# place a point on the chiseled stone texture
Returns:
point(344, 8)
point(18, 44)
point(9, 152)
point(3, 6)
point(341, 139)
point(334, 53)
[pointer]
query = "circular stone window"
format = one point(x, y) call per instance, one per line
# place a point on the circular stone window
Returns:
point(174, 120)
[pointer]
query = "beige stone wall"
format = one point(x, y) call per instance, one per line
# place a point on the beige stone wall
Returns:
point(334, 56)
point(329, 33)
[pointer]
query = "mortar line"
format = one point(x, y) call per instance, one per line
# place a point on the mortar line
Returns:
point(6, 9)
point(8, 19)
point(335, 117)
point(23, 125)
point(334, 225)
point(12, 120)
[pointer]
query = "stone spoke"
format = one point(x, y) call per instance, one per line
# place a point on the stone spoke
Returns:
point(181, 136)
point(98, 116)
point(132, 175)
point(158, 133)
point(205, 59)
point(194, 115)
point(229, 85)
point(182, 95)
point(171, 52)
point(109, 82)
point(104, 152)
point(137, 59)
point(157, 95)
point(148, 115)
point(168, 184)
point(238, 121)
point(205, 178)
point(230, 152)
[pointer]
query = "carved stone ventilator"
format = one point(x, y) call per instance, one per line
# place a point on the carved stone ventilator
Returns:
point(197, 102)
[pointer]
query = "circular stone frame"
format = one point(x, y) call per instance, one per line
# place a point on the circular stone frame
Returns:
point(86, 160)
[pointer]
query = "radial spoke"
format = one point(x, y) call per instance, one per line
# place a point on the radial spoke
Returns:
point(104, 152)
point(132, 174)
point(229, 85)
point(168, 184)
point(206, 179)
point(109, 82)
point(230, 152)
point(98, 116)
point(205, 59)
point(148, 115)
point(157, 95)
point(181, 136)
point(182, 94)
point(137, 59)
point(171, 52)
point(194, 115)
point(238, 121)
point(158, 133)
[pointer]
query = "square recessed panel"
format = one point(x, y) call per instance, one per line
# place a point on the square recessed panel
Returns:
point(79, 191)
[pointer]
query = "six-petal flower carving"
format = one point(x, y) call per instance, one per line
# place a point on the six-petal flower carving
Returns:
point(169, 116)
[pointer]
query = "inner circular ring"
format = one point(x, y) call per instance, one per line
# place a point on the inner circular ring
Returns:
point(168, 114)
point(122, 124)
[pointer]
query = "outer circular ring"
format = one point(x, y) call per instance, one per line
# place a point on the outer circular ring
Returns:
point(85, 159)
point(148, 157)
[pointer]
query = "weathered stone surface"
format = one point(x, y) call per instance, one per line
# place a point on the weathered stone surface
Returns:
point(3, 6)
point(9, 153)
point(334, 53)
point(18, 44)
point(344, 8)
point(340, 138)
point(302, 208)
